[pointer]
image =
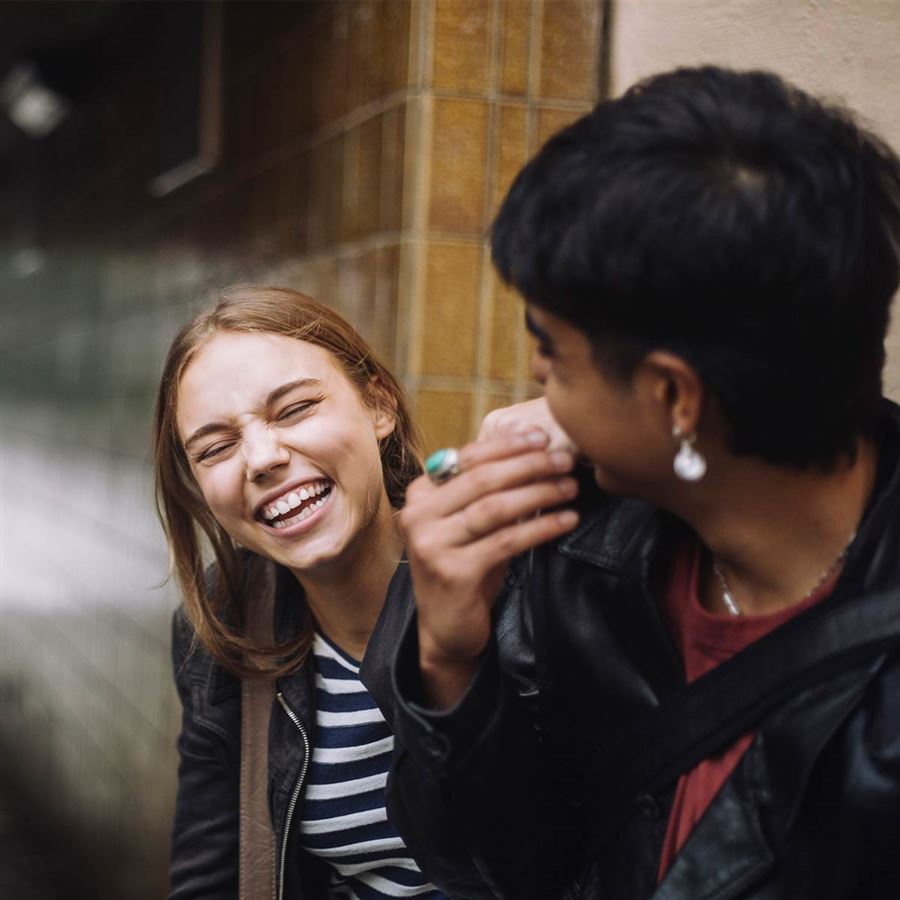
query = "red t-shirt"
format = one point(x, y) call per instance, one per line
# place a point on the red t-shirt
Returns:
point(705, 639)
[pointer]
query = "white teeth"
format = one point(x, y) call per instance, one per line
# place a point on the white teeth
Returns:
point(303, 514)
point(292, 500)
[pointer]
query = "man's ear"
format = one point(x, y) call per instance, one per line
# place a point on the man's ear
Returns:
point(677, 388)
point(382, 407)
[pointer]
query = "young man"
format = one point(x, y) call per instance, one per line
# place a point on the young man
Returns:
point(695, 692)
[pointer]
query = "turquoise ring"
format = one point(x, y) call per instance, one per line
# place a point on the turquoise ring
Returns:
point(442, 465)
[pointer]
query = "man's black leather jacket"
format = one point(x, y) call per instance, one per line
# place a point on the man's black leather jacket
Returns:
point(490, 796)
point(206, 826)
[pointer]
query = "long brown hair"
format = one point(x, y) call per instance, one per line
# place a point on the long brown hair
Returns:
point(214, 604)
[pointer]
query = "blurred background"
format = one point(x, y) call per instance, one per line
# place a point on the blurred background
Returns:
point(150, 152)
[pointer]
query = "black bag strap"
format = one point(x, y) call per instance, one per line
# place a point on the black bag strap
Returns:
point(709, 714)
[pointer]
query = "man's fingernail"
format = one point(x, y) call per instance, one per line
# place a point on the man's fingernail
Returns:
point(561, 459)
point(568, 518)
point(535, 437)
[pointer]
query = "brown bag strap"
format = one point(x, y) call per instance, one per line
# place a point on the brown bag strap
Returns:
point(257, 840)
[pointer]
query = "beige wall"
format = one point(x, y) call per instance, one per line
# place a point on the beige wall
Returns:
point(840, 49)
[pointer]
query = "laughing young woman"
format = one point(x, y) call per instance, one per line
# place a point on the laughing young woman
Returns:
point(283, 444)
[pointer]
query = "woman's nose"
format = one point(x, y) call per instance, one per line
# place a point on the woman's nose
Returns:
point(264, 452)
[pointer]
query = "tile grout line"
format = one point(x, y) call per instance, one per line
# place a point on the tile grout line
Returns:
point(417, 174)
point(521, 382)
point(487, 299)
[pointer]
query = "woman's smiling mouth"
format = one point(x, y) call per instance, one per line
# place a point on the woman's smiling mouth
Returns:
point(295, 505)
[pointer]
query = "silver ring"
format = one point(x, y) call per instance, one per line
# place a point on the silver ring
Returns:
point(443, 465)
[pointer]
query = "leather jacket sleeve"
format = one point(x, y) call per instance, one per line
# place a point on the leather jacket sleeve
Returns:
point(205, 831)
point(465, 789)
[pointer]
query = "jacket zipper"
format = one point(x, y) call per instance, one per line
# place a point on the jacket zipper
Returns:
point(294, 796)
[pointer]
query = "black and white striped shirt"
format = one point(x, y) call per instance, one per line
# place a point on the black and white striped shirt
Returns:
point(343, 820)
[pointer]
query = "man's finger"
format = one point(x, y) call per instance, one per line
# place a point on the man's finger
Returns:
point(508, 542)
point(498, 510)
point(500, 474)
point(501, 446)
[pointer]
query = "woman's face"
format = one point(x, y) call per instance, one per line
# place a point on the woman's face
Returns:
point(283, 448)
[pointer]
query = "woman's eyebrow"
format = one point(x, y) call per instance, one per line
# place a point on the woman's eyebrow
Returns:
point(271, 399)
point(203, 431)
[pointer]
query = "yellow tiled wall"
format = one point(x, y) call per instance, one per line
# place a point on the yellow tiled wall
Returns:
point(492, 79)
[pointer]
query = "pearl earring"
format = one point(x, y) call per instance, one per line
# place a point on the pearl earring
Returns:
point(689, 464)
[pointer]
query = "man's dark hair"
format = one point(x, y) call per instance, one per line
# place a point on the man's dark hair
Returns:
point(736, 221)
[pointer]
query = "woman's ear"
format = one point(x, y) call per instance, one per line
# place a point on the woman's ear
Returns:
point(382, 408)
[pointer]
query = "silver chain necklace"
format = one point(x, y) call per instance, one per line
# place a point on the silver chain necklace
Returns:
point(734, 608)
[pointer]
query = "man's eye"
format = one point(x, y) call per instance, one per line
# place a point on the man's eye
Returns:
point(543, 350)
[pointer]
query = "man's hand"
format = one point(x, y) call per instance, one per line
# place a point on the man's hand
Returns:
point(522, 417)
point(460, 536)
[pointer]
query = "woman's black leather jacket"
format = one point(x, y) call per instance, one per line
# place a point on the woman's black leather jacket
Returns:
point(205, 831)
point(492, 795)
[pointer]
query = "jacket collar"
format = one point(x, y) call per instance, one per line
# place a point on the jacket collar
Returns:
point(622, 535)
point(873, 562)
point(727, 851)
point(375, 669)
point(290, 608)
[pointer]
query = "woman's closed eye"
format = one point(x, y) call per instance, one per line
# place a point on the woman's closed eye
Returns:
point(211, 453)
point(295, 410)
